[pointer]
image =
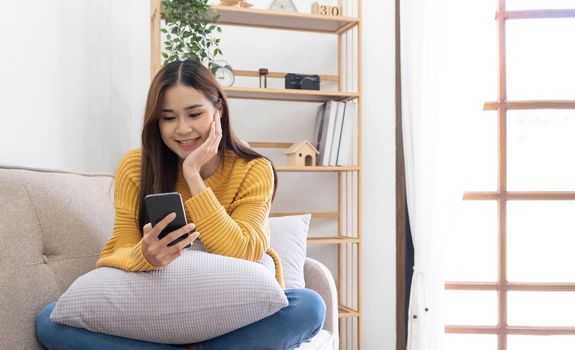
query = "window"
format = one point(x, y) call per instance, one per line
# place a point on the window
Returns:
point(511, 266)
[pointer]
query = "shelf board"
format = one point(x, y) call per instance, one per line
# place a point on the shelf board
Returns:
point(287, 168)
point(270, 144)
point(281, 20)
point(287, 94)
point(280, 75)
point(347, 312)
point(314, 214)
point(332, 240)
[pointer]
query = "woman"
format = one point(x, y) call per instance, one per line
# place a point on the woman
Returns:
point(188, 146)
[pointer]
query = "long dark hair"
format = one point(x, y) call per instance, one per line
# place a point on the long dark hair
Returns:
point(159, 163)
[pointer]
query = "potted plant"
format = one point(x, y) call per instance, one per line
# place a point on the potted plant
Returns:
point(189, 32)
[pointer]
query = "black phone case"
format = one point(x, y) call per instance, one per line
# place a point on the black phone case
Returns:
point(161, 204)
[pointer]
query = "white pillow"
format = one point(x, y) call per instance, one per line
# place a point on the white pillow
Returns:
point(197, 297)
point(288, 237)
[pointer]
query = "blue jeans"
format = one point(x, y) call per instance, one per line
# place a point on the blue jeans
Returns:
point(284, 330)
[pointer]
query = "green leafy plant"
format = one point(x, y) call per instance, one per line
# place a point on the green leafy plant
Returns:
point(189, 32)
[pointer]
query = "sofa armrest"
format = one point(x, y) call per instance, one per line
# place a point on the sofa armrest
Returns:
point(318, 278)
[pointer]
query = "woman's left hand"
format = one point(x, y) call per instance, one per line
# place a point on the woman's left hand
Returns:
point(206, 151)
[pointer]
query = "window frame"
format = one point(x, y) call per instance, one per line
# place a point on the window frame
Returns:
point(502, 286)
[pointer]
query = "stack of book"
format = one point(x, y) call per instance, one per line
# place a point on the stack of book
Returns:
point(335, 133)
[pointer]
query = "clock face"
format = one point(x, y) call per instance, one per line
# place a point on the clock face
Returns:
point(225, 76)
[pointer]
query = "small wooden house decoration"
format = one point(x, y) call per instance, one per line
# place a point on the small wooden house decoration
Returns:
point(301, 154)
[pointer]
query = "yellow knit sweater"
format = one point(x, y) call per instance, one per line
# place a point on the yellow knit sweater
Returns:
point(231, 214)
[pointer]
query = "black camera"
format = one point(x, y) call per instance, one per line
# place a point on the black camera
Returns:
point(302, 81)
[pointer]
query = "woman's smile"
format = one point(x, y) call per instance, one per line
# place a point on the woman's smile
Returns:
point(190, 143)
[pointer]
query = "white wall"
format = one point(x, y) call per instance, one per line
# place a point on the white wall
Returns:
point(73, 84)
point(74, 76)
point(379, 175)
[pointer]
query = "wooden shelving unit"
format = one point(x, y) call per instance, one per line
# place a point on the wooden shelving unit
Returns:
point(279, 20)
point(286, 168)
point(348, 215)
point(332, 240)
point(287, 95)
point(314, 214)
point(347, 312)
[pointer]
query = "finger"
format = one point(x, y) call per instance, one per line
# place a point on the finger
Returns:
point(147, 228)
point(161, 225)
point(218, 123)
point(216, 140)
point(212, 138)
point(179, 232)
point(184, 243)
point(213, 148)
point(212, 133)
point(205, 146)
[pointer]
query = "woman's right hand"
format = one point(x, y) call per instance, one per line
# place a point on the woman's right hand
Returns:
point(156, 251)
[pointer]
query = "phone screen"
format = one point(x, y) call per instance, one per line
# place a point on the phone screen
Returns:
point(161, 204)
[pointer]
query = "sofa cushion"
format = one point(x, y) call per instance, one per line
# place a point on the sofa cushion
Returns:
point(55, 218)
point(323, 340)
point(196, 297)
point(52, 227)
point(288, 237)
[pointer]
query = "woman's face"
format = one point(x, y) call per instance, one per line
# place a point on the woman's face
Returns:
point(185, 120)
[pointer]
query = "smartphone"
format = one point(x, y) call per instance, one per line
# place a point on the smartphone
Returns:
point(161, 204)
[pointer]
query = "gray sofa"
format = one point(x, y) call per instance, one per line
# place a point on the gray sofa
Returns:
point(53, 225)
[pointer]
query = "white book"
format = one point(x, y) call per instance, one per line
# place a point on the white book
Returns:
point(348, 136)
point(344, 151)
point(317, 129)
point(337, 133)
point(354, 134)
point(327, 133)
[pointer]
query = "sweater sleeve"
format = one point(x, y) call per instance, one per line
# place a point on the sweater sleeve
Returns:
point(244, 232)
point(124, 248)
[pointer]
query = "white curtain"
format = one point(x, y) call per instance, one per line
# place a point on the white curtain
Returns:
point(440, 48)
